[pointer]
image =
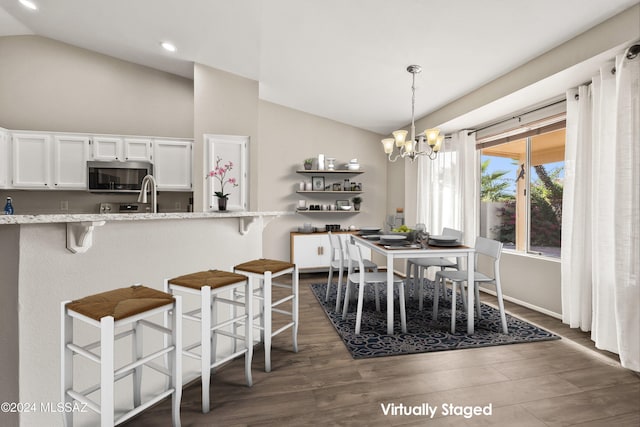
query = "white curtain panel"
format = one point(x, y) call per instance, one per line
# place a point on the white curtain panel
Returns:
point(626, 217)
point(447, 187)
point(601, 213)
point(576, 221)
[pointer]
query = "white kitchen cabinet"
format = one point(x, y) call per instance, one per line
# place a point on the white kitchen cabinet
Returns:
point(172, 164)
point(107, 148)
point(116, 148)
point(313, 251)
point(31, 160)
point(70, 155)
point(138, 149)
point(43, 161)
point(5, 159)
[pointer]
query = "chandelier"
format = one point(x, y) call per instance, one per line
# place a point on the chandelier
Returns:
point(411, 147)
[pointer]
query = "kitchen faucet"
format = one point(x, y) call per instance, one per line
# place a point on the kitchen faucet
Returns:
point(149, 184)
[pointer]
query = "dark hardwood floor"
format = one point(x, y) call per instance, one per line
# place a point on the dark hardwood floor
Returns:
point(553, 383)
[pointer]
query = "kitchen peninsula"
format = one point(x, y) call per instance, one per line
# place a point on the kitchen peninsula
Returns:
point(39, 272)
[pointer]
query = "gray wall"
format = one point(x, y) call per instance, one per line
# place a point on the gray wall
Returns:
point(51, 86)
point(289, 136)
point(9, 305)
point(225, 104)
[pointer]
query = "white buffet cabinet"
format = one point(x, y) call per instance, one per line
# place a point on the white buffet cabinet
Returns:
point(312, 251)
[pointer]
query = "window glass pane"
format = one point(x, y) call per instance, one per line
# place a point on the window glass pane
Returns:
point(546, 183)
point(500, 208)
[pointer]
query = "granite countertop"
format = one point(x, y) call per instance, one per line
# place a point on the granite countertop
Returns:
point(66, 218)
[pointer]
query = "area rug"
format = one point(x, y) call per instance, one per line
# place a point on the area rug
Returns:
point(424, 334)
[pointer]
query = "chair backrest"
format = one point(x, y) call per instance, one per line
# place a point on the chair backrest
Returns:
point(355, 256)
point(490, 248)
point(452, 232)
point(336, 248)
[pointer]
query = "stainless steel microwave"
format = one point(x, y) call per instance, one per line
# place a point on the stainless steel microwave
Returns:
point(117, 177)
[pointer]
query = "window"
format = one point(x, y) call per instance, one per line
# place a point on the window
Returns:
point(521, 192)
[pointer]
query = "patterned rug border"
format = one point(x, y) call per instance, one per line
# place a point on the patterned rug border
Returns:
point(423, 334)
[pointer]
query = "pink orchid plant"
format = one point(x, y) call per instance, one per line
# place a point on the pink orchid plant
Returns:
point(220, 173)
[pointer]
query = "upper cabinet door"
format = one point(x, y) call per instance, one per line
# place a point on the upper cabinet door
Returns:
point(107, 148)
point(31, 158)
point(172, 164)
point(70, 155)
point(138, 149)
point(5, 159)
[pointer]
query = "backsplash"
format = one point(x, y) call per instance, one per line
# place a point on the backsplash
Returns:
point(29, 202)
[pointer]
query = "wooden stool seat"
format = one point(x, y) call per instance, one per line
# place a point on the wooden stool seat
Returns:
point(120, 303)
point(132, 307)
point(261, 266)
point(212, 287)
point(212, 278)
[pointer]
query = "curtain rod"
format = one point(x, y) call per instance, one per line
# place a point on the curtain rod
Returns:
point(516, 117)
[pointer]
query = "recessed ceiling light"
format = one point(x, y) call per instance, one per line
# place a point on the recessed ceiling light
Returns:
point(29, 4)
point(168, 46)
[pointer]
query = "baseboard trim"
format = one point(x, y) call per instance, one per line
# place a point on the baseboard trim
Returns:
point(525, 304)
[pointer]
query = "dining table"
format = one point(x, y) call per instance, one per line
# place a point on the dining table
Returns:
point(393, 252)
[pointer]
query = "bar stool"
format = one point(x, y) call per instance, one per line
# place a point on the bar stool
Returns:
point(108, 311)
point(263, 271)
point(208, 285)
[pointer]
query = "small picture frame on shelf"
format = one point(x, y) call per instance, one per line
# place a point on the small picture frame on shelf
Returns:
point(317, 183)
point(337, 186)
point(341, 203)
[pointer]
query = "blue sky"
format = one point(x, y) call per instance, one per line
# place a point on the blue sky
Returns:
point(506, 164)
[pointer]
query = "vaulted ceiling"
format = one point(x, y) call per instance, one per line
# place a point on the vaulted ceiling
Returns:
point(344, 60)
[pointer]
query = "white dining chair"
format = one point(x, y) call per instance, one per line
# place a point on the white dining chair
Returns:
point(417, 267)
point(339, 263)
point(486, 247)
point(362, 278)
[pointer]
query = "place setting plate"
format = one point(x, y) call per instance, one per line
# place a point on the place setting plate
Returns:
point(393, 240)
point(365, 231)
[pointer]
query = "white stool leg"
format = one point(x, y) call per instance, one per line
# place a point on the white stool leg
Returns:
point(295, 306)
point(136, 348)
point(107, 372)
point(213, 334)
point(66, 374)
point(176, 366)
point(248, 331)
point(205, 341)
point(166, 339)
point(267, 320)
